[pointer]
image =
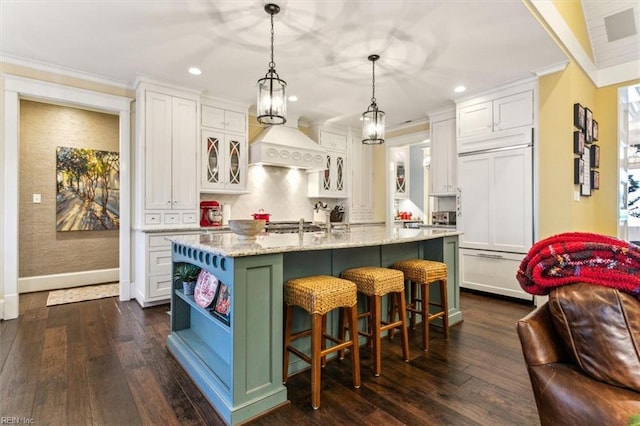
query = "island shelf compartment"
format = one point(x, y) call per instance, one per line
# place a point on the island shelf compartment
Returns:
point(238, 367)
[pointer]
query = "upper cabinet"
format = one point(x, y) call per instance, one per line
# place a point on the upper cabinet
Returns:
point(502, 119)
point(224, 162)
point(401, 172)
point(224, 119)
point(361, 185)
point(166, 158)
point(331, 182)
point(223, 149)
point(442, 176)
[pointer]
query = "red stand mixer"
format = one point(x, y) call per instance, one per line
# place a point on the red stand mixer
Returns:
point(210, 213)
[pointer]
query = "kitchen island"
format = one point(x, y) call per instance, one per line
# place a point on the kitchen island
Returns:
point(233, 349)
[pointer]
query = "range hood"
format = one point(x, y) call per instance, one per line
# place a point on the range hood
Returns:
point(286, 146)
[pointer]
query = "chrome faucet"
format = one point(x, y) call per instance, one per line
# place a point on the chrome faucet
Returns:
point(301, 226)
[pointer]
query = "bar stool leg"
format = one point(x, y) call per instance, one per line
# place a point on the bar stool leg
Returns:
point(288, 320)
point(424, 307)
point(323, 341)
point(444, 300)
point(316, 338)
point(352, 314)
point(343, 319)
point(400, 298)
point(374, 305)
point(413, 294)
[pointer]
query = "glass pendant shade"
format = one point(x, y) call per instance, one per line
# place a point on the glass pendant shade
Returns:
point(272, 100)
point(373, 126)
point(373, 118)
point(271, 107)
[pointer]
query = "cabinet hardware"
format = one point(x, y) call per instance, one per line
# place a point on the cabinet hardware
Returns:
point(490, 256)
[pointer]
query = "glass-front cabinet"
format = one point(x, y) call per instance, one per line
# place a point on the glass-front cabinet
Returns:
point(223, 162)
point(332, 180)
point(401, 172)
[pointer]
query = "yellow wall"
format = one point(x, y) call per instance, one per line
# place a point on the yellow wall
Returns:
point(573, 14)
point(557, 211)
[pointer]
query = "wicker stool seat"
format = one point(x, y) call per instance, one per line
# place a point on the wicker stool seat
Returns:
point(424, 273)
point(375, 282)
point(318, 295)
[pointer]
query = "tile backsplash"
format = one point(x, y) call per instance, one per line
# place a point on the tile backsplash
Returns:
point(278, 191)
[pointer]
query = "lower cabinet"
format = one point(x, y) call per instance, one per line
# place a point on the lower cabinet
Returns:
point(491, 272)
point(236, 358)
point(153, 281)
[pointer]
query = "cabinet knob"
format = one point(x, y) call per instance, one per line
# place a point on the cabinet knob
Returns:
point(169, 202)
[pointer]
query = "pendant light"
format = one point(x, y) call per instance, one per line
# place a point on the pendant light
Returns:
point(272, 102)
point(373, 118)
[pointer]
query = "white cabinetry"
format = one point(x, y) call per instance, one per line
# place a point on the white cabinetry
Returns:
point(332, 181)
point(166, 158)
point(443, 154)
point(496, 200)
point(486, 122)
point(224, 119)
point(491, 272)
point(401, 172)
point(224, 150)
point(495, 179)
point(361, 186)
point(153, 270)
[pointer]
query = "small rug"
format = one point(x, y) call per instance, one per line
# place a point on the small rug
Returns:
point(80, 294)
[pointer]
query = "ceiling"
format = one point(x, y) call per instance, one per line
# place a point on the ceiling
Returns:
point(427, 48)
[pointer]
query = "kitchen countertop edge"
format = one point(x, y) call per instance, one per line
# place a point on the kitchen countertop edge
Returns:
point(229, 245)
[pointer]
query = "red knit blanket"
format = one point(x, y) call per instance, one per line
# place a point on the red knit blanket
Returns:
point(580, 257)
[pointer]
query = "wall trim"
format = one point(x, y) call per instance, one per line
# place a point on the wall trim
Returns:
point(41, 66)
point(16, 88)
point(67, 280)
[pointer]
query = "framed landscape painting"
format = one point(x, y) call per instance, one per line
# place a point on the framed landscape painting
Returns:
point(87, 189)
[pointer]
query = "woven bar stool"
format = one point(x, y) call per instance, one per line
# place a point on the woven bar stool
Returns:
point(376, 282)
point(424, 273)
point(319, 294)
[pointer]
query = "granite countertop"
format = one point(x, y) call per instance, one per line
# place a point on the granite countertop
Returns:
point(228, 244)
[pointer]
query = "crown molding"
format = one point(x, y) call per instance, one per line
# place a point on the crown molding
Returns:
point(67, 72)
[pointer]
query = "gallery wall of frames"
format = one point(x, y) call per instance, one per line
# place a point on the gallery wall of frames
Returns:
point(587, 162)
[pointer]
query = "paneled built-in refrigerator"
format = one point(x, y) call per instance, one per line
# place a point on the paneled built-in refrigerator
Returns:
point(495, 216)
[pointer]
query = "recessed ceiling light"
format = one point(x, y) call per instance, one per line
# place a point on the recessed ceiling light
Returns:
point(459, 89)
point(293, 98)
point(195, 71)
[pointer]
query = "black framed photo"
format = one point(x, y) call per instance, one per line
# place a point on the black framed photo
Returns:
point(578, 142)
point(578, 171)
point(595, 156)
point(594, 132)
point(588, 125)
point(595, 179)
point(578, 116)
point(222, 304)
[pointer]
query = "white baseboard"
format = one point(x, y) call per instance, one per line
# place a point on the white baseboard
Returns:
point(68, 280)
point(9, 307)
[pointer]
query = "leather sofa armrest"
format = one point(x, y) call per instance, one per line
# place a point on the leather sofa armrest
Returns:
point(539, 339)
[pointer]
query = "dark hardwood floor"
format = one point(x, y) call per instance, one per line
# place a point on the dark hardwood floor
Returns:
point(105, 362)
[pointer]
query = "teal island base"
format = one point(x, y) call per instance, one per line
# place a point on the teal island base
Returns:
point(233, 349)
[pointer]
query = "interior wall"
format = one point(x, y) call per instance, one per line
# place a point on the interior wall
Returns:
point(42, 250)
point(573, 14)
point(558, 212)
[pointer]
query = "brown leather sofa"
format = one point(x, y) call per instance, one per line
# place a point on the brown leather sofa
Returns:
point(582, 350)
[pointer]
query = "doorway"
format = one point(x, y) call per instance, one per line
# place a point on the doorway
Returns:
point(629, 163)
point(15, 89)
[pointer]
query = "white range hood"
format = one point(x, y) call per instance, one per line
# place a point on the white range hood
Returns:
point(286, 146)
